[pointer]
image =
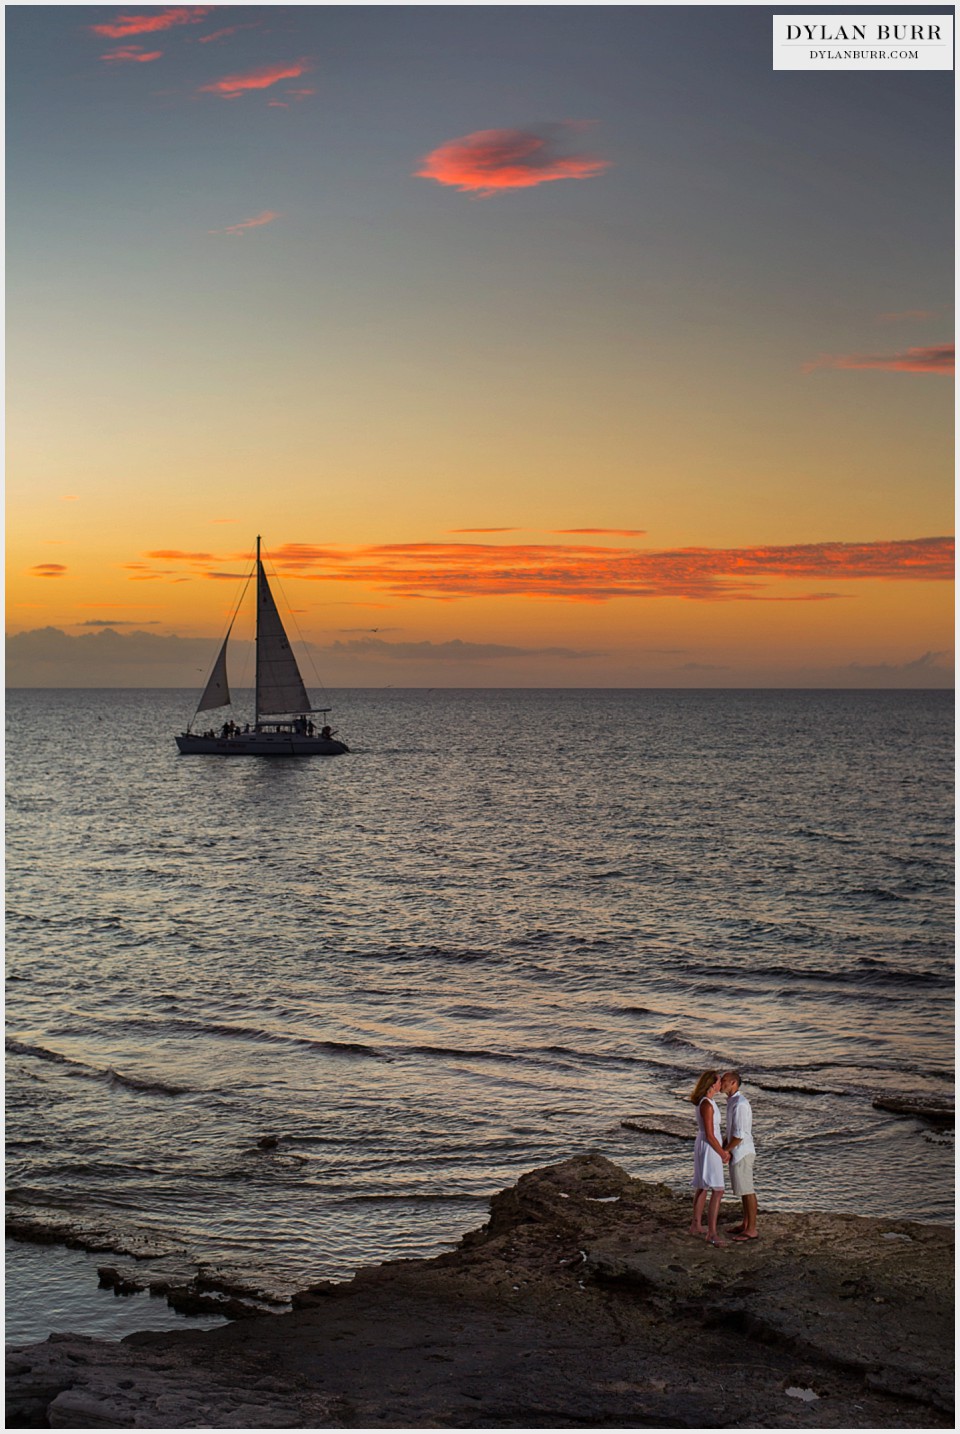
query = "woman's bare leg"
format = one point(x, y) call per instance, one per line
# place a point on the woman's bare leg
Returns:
point(714, 1210)
point(696, 1224)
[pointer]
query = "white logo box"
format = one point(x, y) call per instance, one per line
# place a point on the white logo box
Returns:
point(909, 41)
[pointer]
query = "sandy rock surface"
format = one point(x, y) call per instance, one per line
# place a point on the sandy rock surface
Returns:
point(581, 1302)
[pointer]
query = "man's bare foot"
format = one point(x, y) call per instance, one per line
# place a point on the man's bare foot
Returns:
point(716, 1240)
point(746, 1235)
point(696, 1230)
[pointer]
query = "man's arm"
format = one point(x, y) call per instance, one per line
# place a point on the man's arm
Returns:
point(733, 1139)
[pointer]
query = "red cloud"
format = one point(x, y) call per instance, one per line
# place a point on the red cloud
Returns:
point(580, 572)
point(596, 574)
point(938, 359)
point(125, 25)
point(182, 557)
point(233, 85)
point(219, 34)
point(494, 159)
point(267, 217)
point(135, 53)
point(48, 570)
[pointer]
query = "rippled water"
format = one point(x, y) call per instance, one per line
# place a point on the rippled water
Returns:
point(504, 924)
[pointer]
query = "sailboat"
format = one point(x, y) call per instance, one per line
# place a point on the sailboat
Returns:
point(283, 724)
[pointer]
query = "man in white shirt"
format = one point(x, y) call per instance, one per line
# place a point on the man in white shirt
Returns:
point(739, 1141)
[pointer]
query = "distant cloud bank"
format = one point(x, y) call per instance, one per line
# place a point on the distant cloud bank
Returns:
point(48, 657)
point(453, 651)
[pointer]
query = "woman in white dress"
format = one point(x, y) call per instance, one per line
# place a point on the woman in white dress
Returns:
point(709, 1158)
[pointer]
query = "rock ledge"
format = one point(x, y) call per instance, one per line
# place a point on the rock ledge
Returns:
point(582, 1301)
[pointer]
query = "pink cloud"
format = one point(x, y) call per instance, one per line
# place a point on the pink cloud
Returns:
point(267, 217)
point(180, 555)
point(905, 315)
point(233, 85)
point(494, 159)
point(937, 359)
point(125, 25)
point(135, 53)
point(591, 573)
point(219, 34)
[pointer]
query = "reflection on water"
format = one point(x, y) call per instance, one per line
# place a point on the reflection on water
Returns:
point(304, 1015)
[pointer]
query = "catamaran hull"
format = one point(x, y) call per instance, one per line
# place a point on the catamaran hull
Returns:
point(260, 744)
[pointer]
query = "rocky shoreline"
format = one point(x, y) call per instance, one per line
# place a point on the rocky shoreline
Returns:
point(581, 1303)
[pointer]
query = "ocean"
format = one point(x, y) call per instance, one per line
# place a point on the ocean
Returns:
point(290, 1017)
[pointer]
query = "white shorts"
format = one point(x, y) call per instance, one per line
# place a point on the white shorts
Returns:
point(741, 1175)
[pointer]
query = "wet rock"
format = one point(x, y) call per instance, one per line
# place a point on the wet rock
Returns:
point(920, 1106)
point(582, 1301)
point(112, 1279)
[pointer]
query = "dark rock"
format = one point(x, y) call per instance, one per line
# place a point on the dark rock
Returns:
point(920, 1106)
point(582, 1301)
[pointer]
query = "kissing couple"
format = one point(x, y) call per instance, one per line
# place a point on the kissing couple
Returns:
point(711, 1154)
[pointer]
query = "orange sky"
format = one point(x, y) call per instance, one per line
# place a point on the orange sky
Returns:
point(563, 368)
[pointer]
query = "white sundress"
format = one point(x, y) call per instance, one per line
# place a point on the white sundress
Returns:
point(707, 1165)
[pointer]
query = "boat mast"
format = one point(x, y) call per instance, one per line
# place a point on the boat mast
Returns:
point(256, 675)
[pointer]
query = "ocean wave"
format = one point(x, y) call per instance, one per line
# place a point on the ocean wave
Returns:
point(414, 1198)
point(460, 1053)
point(673, 1126)
point(612, 1058)
point(676, 1040)
point(879, 893)
point(41, 1053)
point(261, 1035)
point(144, 1084)
point(445, 953)
point(149, 1087)
point(868, 971)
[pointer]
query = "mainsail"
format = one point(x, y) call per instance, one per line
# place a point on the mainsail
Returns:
point(217, 693)
point(279, 684)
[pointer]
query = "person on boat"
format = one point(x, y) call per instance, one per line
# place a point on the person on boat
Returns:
point(311, 729)
point(225, 730)
point(326, 732)
point(709, 1158)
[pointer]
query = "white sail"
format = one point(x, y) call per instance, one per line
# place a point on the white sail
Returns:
point(217, 693)
point(279, 684)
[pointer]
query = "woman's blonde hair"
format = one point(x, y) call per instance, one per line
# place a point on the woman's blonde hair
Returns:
point(708, 1079)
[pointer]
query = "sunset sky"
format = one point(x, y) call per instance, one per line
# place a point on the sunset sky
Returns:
point(545, 346)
